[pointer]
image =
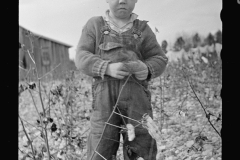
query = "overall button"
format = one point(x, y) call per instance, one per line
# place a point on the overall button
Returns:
point(135, 36)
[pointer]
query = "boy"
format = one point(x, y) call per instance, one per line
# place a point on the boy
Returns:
point(113, 49)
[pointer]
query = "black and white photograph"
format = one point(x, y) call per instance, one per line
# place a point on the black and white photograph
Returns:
point(120, 79)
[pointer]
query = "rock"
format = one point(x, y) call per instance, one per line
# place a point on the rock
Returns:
point(177, 151)
point(214, 139)
point(195, 128)
point(207, 153)
point(161, 148)
point(164, 131)
point(160, 156)
point(189, 143)
point(208, 147)
point(164, 142)
point(169, 158)
point(173, 153)
point(170, 144)
point(195, 134)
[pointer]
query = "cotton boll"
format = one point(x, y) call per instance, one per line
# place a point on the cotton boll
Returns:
point(152, 128)
point(205, 60)
point(130, 131)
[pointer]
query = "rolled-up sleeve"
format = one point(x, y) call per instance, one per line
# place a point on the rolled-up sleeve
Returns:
point(154, 56)
point(86, 60)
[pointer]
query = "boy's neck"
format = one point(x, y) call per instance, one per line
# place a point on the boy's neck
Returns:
point(119, 21)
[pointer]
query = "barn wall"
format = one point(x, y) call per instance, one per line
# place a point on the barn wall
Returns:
point(47, 54)
point(23, 39)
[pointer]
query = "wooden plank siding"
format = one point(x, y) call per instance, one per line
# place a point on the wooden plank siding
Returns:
point(48, 53)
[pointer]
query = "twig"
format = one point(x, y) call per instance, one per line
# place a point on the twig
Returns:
point(44, 114)
point(137, 125)
point(115, 125)
point(115, 106)
point(121, 90)
point(48, 95)
point(127, 117)
point(21, 150)
point(100, 155)
point(208, 117)
point(41, 100)
point(30, 124)
point(85, 131)
point(30, 68)
point(33, 153)
point(31, 42)
point(31, 56)
point(49, 101)
point(35, 106)
point(183, 101)
point(50, 71)
point(22, 68)
point(40, 95)
point(121, 116)
point(112, 140)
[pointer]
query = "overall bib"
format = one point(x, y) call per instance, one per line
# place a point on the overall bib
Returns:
point(134, 101)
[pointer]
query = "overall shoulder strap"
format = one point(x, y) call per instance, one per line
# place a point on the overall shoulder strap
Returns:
point(139, 26)
point(104, 25)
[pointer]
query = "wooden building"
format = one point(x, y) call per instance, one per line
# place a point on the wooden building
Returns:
point(47, 53)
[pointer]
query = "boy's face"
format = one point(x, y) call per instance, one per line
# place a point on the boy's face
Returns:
point(121, 8)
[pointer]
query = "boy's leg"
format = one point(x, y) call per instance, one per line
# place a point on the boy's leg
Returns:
point(143, 144)
point(103, 103)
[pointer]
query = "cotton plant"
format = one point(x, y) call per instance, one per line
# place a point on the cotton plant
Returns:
point(148, 123)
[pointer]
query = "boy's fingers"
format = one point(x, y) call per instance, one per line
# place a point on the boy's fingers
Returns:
point(122, 73)
point(141, 72)
point(141, 75)
point(123, 68)
point(119, 76)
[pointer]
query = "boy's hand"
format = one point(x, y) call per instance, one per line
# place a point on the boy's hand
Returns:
point(142, 74)
point(117, 70)
point(138, 68)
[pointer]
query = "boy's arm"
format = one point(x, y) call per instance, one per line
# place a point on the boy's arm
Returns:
point(86, 60)
point(154, 57)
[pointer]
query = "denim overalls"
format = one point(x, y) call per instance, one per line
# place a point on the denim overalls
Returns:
point(134, 101)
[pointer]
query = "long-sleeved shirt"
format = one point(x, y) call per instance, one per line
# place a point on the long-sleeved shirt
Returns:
point(90, 63)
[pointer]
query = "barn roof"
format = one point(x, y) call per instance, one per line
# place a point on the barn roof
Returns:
point(47, 38)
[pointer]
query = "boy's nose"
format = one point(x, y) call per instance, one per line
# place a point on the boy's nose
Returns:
point(122, 1)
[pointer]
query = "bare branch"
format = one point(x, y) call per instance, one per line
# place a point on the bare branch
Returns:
point(114, 108)
point(31, 57)
point(50, 71)
point(29, 140)
point(208, 117)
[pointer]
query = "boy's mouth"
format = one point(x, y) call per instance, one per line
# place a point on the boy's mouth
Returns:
point(122, 8)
